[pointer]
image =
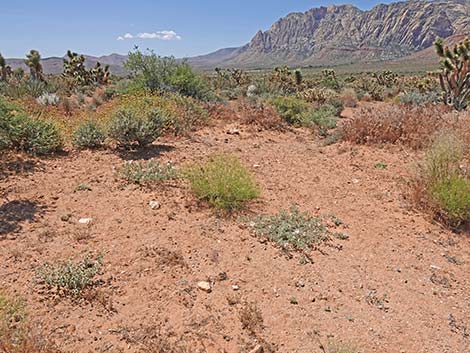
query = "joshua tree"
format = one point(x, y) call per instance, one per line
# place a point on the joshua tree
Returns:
point(455, 73)
point(33, 61)
point(5, 70)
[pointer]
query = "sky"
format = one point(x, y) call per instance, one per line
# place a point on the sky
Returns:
point(182, 28)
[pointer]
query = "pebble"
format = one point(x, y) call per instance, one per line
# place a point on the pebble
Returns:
point(235, 287)
point(85, 220)
point(154, 205)
point(205, 286)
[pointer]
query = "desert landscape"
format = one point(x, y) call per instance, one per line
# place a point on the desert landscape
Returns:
point(308, 192)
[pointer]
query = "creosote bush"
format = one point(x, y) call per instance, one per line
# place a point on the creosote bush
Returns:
point(70, 278)
point(88, 135)
point(223, 182)
point(147, 172)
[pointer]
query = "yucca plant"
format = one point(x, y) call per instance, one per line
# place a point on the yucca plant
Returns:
point(33, 61)
point(454, 76)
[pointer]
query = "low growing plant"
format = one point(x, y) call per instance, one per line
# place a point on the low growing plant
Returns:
point(71, 278)
point(147, 172)
point(291, 228)
point(222, 181)
point(88, 135)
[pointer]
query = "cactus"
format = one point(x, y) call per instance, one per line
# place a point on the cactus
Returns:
point(329, 79)
point(5, 70)
point(298, 77)
point(454, 76)
point(33, 61)
point(75, 70)
point(386, 78)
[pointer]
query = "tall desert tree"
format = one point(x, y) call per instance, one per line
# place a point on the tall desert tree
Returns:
point(455, 73)
point(5, 70)
point(33, 61)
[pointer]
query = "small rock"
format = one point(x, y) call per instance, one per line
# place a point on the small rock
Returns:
point(300, 284)
point(205, 286)
point(235, 287)
point(233, 131)
point(154, 205)
point(86, 221)
point(257, 349)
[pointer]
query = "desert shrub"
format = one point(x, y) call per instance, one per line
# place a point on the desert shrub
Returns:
point(325, 117)
point(147, 172)
point(129, 127)
point(88, 135)
point(34, 136)
point(179, 114)
point(223, 182)
point(349, 98)
point(186, 82)
point(291, 109)
point(291, 228)
point(441, 186)
point(452, 196)
point(48, 99)
point(70, 278)
point(420, 98)
point(165, 74)
point(341, 347)
point(317, 95)
point(408, 125)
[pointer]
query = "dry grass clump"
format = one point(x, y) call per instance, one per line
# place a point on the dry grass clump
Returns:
point(17, 335)
point(223, 182)
point(442, 183)
point(349, 98)
point(396, 124)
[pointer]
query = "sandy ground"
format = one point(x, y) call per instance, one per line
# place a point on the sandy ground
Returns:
point(399, 284)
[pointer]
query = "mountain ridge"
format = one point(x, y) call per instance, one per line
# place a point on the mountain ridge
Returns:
point(328, 36)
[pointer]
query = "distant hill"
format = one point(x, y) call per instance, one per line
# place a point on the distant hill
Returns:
point(331, 36)
point(54, 65)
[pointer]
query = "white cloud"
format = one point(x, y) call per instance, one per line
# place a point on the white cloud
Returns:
point(162, 35)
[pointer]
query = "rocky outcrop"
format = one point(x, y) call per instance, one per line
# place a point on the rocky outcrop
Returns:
point(345, 34)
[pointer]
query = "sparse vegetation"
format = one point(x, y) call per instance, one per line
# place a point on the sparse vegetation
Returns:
point(441, 184)
point(147, 172)
point(223, 182)
point(291, 229)
point(88, 135)
point(70, 278)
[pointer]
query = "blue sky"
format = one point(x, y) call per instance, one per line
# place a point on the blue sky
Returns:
point(176, 27)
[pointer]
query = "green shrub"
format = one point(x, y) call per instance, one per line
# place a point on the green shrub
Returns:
point(443, 158)
point(158, 73)
point(291, 109)
point(446, 186)
point(12, 313)
point(291, 228)
point(130, 126)
point(325, 117)
point(452, 196)
point(186, 82)
point(70, 278)
point(34, 136)
point(88, 135)
point(222, 181)
point(146, 172)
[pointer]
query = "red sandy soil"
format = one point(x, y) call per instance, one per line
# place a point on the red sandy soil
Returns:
point(401, 283)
